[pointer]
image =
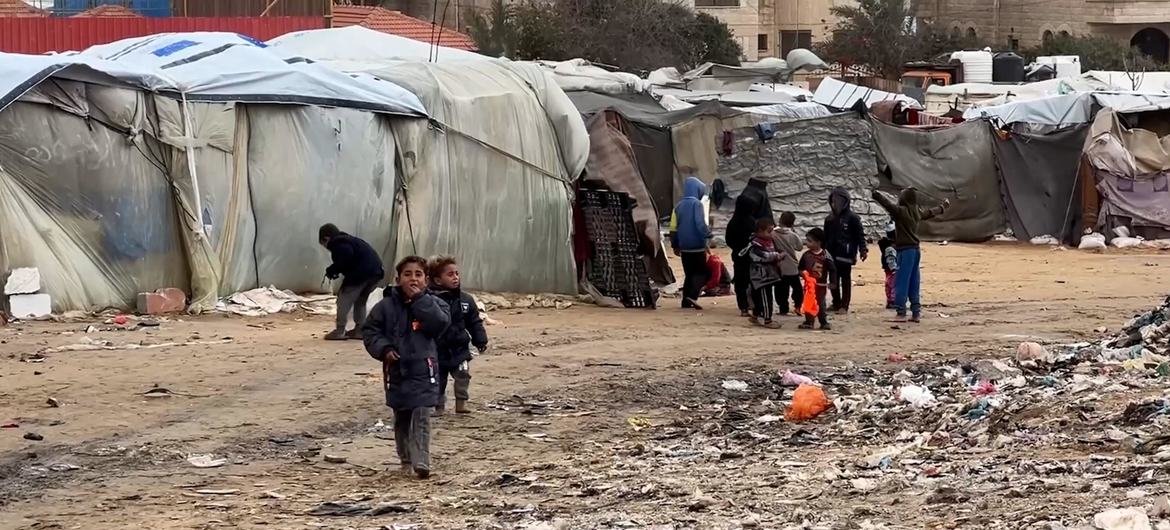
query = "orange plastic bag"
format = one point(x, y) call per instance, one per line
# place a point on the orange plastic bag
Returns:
point(810, 307)
point(808, 402)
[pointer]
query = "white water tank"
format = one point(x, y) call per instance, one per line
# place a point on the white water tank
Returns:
point(977, 65)
point(1064, 65)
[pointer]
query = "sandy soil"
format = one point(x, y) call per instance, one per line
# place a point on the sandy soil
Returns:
point(550, 439)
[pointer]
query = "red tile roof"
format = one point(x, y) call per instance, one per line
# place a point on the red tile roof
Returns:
point(18, 8)
point(396, 23)
point(109, 11)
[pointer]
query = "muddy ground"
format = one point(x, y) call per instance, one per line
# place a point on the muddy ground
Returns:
point(588, 417)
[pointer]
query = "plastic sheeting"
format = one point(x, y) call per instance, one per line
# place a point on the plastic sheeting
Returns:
point(1039, 175)
point(955, 163)
point(363, 45)
point(841, 95)
point(1132, 169)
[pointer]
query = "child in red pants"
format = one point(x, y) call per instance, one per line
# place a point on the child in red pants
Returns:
point(889, 264)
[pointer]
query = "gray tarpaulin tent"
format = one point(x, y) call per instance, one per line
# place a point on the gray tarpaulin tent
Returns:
point(803, 162)
point(953, 163)
point(1039, 175)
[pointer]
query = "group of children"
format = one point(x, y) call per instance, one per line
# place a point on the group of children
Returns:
point(778, 271)
point(422, 332)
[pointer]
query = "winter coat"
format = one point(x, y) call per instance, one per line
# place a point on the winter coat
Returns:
point(788, 244)
point(820, 265)
point(410, 329)
point(751, 206)
point(844, 235)
point(907, 216)
point(690, 232)
point(466, 328)
point(353, 259)
point(765, 260)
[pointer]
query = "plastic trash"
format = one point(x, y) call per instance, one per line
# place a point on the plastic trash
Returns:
point(736, 385)
point(1122, 519)
point(985, 388)
point(918, 396)
point(808, 402)
point(1031, 354)
point(790, 378)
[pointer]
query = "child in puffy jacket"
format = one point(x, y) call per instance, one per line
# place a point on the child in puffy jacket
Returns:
point(466, 329)
point(889, 263)
point(765, 272)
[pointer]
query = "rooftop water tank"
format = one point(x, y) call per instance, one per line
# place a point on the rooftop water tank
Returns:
point(1007, 67)
point(977, 65)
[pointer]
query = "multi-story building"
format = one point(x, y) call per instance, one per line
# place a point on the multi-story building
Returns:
point(772, 28)
point(1144, 24)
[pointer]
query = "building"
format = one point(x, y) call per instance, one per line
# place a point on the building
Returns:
point(771, 28)
point(1016, 24)
point(397, 23)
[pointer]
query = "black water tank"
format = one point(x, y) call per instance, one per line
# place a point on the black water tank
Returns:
point(1007, 67)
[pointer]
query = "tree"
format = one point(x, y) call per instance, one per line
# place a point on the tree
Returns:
point(633, 35)
point(874, 33)
point(1096, 52)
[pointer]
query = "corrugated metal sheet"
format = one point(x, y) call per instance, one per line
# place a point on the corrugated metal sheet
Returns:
point(40, 35)
point(150, 8)
point(250, 8)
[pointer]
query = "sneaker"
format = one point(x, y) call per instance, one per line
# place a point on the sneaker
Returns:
point(806, 325)
point(691, 304)
point(422, 472)
point(916, 318)
point(337, 334)
point(439, 411)
point(461, 407)
point(754, 320)
point(772, 325)
point(406, 469)
point(745, 314)
point(353, 334)
point(826, 327)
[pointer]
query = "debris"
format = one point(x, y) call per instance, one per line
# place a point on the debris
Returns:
point(334, 459)
point(270, 300)
point(700, 502)
point(273, 495)
point(33, 436)
point(769, 418)
point(736, 385)
point(793, 379)
point(994, 370)
point(354, 509)
point(30, 306)
point(52, 403)
point(1122, 519)
point(1044, 240)
point(206, 461)
point(161, 302)
point(897, 358)
point(985, 388)
point(917, 396)
point(808, 402)
point(1031, 354)
point(218, 492)
point(638, 423)
point(23, 280)
point(864, 484)
point(1161, 508)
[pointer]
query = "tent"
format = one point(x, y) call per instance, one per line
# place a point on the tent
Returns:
point(953, 163)
point(490, 177)
point(187, 160)
point(1039, 176)
point(1131, 172)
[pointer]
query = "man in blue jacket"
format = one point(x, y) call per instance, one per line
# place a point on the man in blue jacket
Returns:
point(690, 237)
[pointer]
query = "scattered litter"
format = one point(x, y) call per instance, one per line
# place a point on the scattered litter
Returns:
point(1044, 240)
point(1031, 355)
point(793, 379)
point(334, 459)
point(1122, 519)
point(769, 418)
point(33, 436)
point(808, 402)
point(90, 344)
point(917, 396)
point(736, 385)
point(864, 484)
point(53, 403)
point(897, 357)
point(270, 300)
point(638, 423)
point(206, 461)
point(273, 495)
point(355, 509)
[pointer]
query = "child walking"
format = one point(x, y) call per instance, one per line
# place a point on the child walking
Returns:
point(788, 244)
point(907, 216)
point(466, 329)
point(765, 272)
point(820, 268)
point(889, 263)
point(400, 332)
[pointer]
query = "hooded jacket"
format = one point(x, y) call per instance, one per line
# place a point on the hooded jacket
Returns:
point(409, 328)
point(765, 260)
point(907, 216)
point(751, 206)
point(354, 259)
point(690, 232)
point(466, 329)
point(844, 235)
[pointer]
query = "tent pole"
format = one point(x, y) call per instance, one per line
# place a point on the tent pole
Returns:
point(188, 133)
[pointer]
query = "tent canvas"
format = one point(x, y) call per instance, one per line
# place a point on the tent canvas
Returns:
point(1040, 188)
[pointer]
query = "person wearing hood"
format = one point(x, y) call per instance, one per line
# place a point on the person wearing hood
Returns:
point(690, 238)
point(466, 330)
point(907, 216)
point(358, 264)
point(845, 240)
point(751, 205)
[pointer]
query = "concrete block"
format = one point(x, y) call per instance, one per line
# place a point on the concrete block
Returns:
point(25, 280)
point(162, 301)
point(27, 306)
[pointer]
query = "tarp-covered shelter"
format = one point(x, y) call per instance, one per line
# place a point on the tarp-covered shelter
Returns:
point(1039, 177)
point(187, 160)
point(802, 161)
point(955, 163)
point(1131, 174)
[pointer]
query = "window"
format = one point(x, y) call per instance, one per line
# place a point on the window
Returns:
point(791, 40)
point(1065, 35)
point(762, 42)
point(972, 35)
point(716, 3)
point(1013, 43)
point(1046, 38)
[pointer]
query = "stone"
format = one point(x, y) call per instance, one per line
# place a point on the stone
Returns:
point(25, 280)
point(162, 301)
point(1122, 519)
point(28, 306)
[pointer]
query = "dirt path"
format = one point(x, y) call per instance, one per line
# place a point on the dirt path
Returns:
point(550, 438)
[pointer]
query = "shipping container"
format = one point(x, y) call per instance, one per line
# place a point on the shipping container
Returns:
point(147, 8)
point(41, 35)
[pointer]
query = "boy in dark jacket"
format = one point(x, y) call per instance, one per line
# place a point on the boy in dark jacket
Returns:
point(751, 205)
point(844, 239)
point(889, 263)
point(821, 268)
point(690, 237)
point(466, 328)
point(788, 244)
point(907, 216)
point(401, 333)
point(765, 272)
point(359, 264)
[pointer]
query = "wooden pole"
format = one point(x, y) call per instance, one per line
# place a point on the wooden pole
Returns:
point(271, 4)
